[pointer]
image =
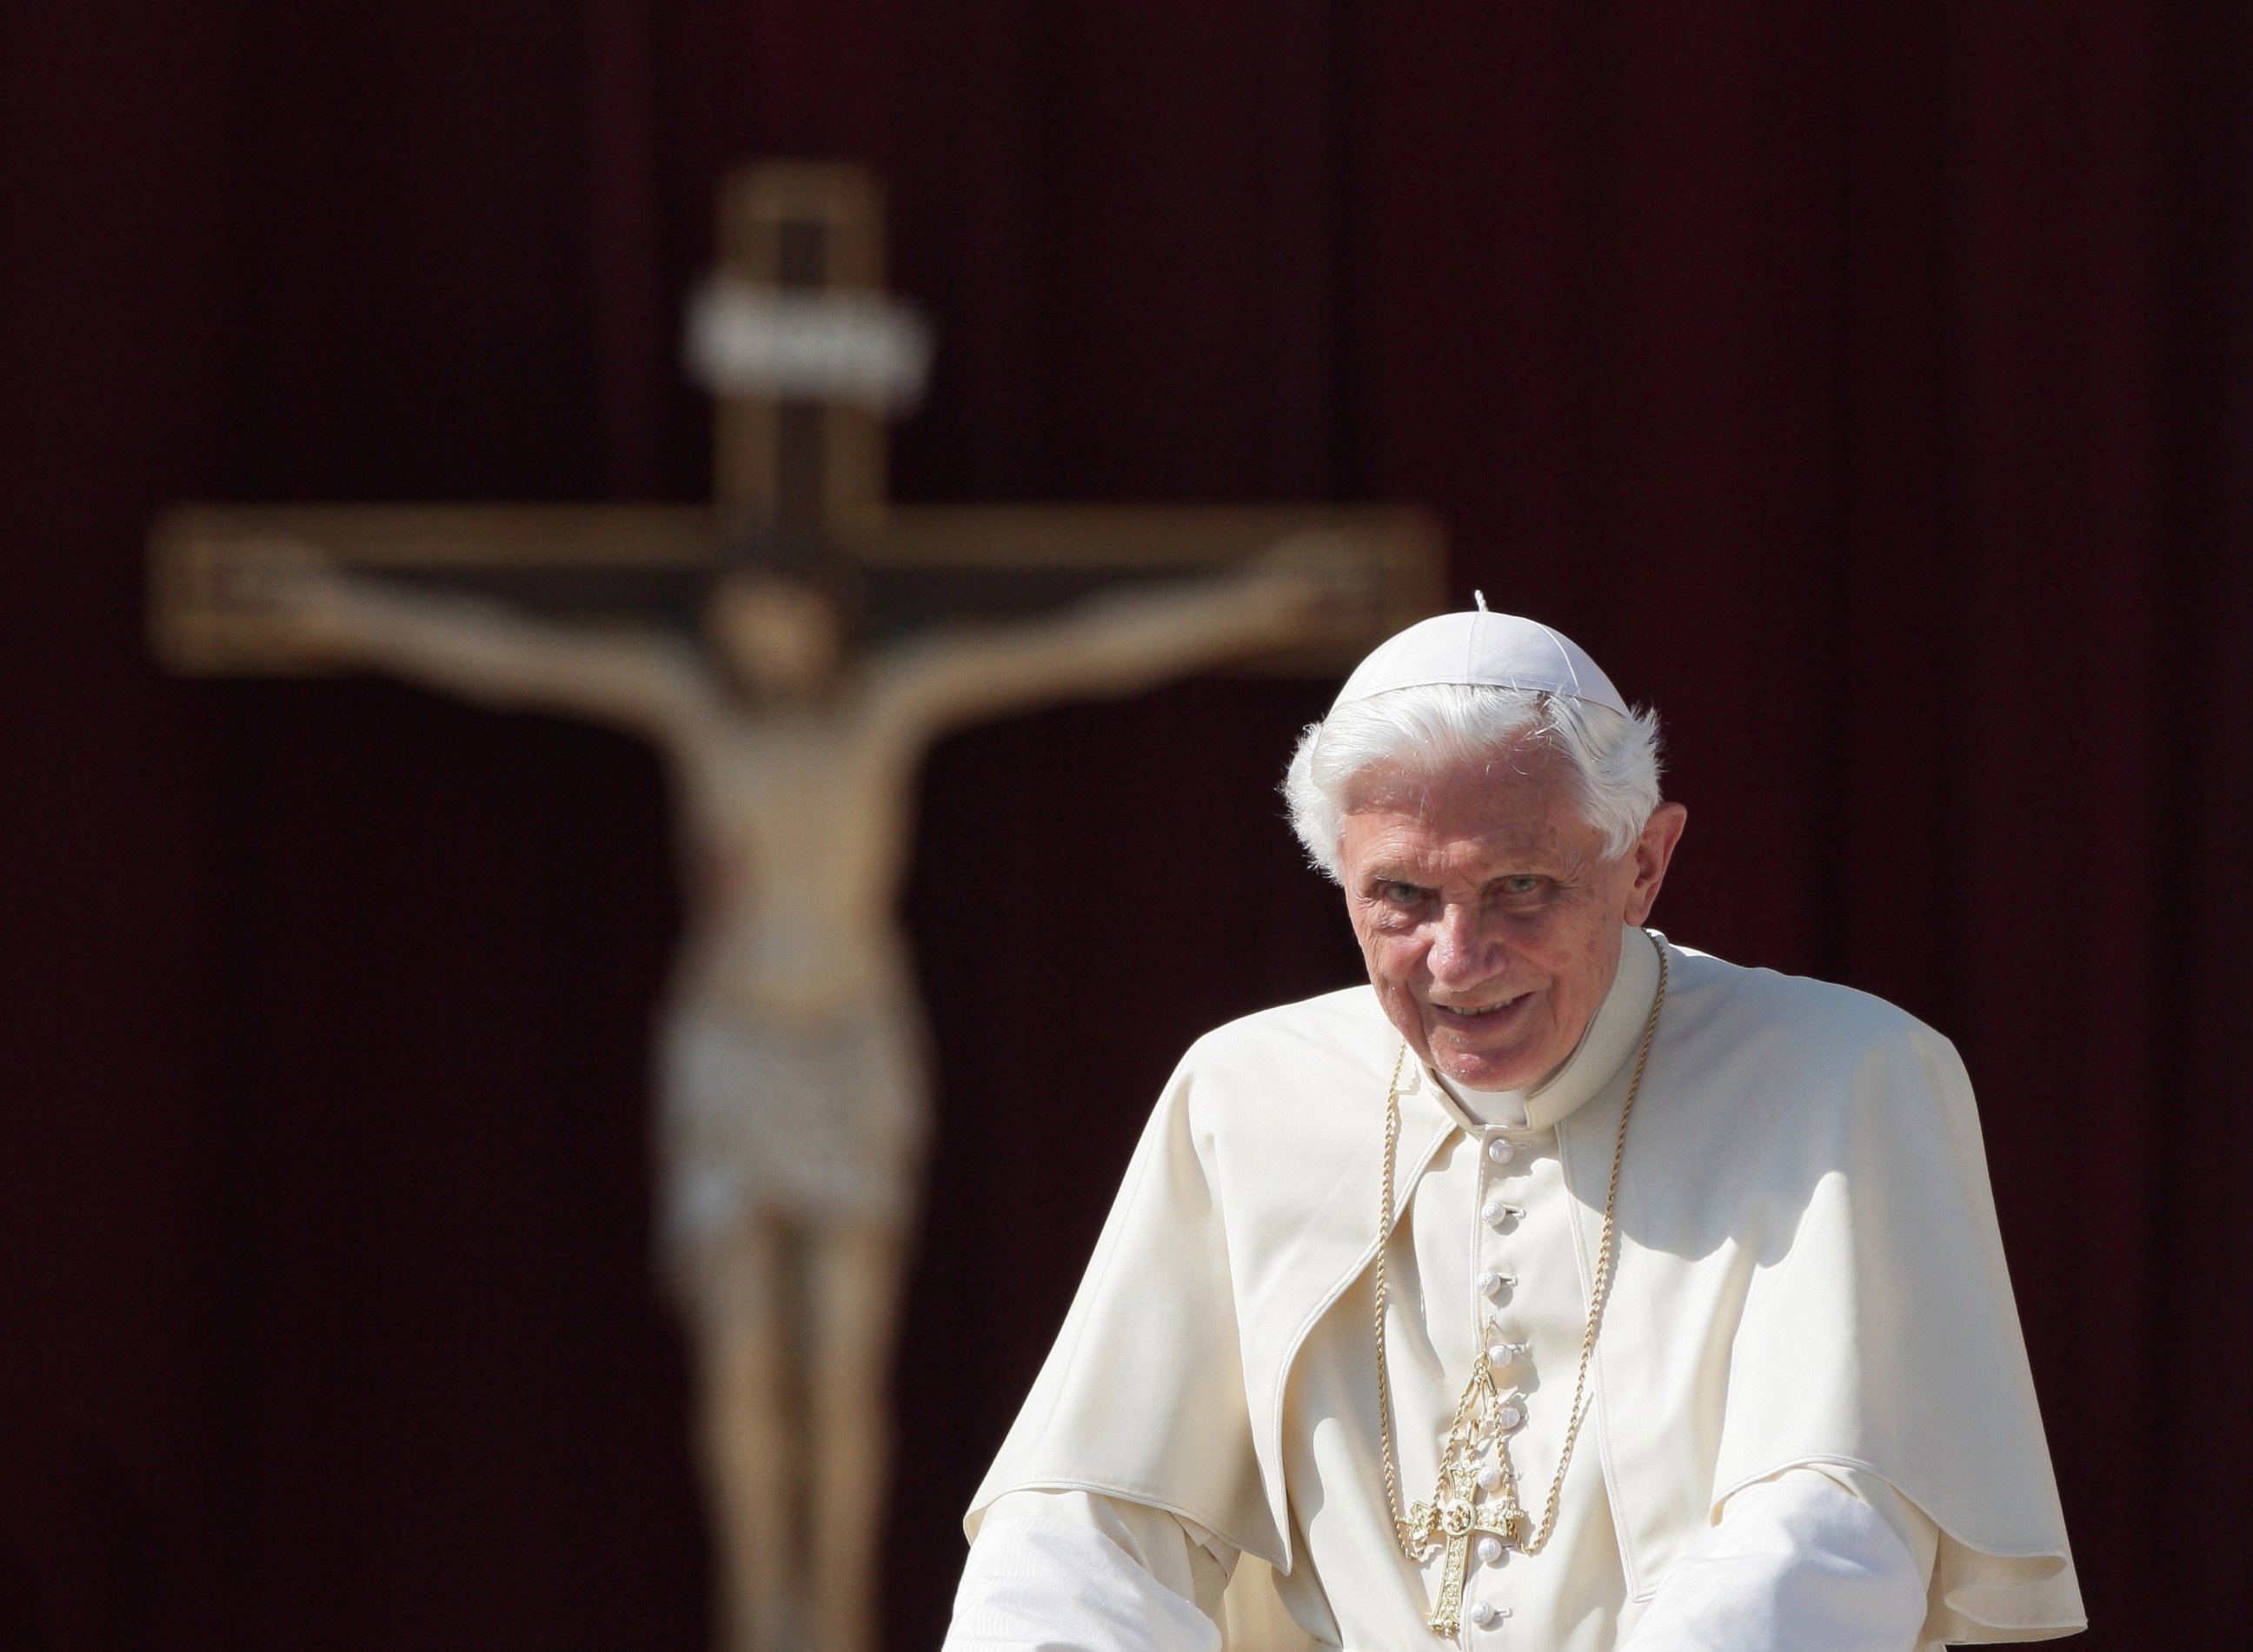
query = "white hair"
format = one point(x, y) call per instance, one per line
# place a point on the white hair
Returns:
point(1435, 727)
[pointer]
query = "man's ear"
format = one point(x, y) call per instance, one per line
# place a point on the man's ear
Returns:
point(1652, 854)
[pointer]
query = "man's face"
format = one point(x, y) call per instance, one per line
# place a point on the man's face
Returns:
point(1488, 912)
point(780, 639)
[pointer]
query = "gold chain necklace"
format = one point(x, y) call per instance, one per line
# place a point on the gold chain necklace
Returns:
point(1454, 1515)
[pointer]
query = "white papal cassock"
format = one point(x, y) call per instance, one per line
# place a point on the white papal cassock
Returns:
point(1812, 1421)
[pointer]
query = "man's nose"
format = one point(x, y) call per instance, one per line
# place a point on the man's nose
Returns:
point(1462, 950)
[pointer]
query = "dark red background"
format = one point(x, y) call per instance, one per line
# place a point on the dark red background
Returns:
point(1866, 384)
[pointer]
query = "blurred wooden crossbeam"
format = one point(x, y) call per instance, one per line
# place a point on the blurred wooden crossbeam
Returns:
point(625, 565)
point(792, 458)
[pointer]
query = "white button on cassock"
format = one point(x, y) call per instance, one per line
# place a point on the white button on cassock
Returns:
point(1500, 1151)
point(1481, 1613)
point(1489, 1550)
point(1494, 1211)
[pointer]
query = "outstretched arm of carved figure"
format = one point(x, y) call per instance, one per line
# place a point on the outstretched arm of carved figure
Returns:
point(479, 650)
point(1122, 641)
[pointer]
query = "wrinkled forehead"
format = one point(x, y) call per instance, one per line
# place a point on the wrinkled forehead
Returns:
point(1468, 822)
point(1520, 777)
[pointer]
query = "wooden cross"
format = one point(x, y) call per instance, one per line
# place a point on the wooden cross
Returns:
point(807, 357)
point(791, 459)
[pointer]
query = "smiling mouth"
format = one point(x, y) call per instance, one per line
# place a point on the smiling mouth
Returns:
point(1484, 1010)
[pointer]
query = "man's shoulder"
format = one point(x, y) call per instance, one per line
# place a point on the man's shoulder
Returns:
point(1293, 1058)
point(1323, 1028)
point(1758, 1043)
point(1285, 1108)
point(1345, 1019)
point(1715, 997)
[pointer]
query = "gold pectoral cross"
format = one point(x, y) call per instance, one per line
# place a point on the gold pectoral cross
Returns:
point(1454, 1521)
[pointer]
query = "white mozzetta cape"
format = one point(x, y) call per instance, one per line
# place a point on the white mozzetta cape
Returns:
point(1809, 1273)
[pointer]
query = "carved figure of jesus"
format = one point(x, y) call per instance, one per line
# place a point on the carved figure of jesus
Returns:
point(792, 1094)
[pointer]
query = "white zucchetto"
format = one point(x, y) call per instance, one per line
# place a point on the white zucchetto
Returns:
point(1482, 649)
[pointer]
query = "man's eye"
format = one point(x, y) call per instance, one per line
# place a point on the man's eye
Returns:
point(1400, 894)
point(1524, 883)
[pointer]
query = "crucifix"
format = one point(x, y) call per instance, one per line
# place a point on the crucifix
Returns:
point(1459, 1521)
point(1474, 1464)
point(790, 1070)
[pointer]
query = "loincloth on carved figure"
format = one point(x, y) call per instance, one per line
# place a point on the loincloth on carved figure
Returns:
point(818, 1124)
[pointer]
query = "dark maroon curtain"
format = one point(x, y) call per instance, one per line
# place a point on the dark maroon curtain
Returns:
point(1866, 384)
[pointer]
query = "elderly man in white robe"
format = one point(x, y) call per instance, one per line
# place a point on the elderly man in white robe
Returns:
point(1562, 1287)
